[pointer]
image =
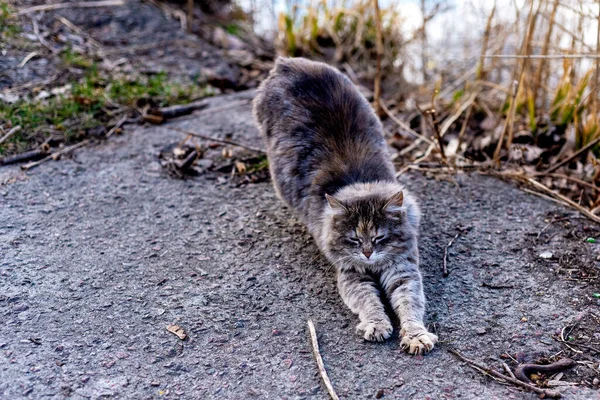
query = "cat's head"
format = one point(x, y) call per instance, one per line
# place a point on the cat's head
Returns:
point(370, 229)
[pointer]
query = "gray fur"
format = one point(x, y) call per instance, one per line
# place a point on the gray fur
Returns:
point(329, 162)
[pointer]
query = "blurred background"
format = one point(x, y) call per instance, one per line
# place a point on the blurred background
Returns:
point(504, 87)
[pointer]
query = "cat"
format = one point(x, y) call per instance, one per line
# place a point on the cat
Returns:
point(330, 163)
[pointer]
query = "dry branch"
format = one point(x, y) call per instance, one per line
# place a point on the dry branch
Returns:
point(319, 360)
point(495, 374)
point(10, 133)
point(23, 157)
point(404, 126)
point(445, 272)
point(224, 141)
point(117, 126)
point(160, 115)
point(572, 156)
point(54, 156)
point(82, 4)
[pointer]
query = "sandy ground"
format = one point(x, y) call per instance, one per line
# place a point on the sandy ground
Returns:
point(99, 253)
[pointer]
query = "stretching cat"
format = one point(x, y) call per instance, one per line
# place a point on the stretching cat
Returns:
point(329, 162)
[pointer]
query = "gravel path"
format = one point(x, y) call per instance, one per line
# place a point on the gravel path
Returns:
point(99, 253)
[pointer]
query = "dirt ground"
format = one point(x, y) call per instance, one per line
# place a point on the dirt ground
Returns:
point(100, 252)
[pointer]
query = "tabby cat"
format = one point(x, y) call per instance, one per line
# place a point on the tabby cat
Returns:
point(330, 163)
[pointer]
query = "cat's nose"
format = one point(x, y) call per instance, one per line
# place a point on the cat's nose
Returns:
point(367, 253)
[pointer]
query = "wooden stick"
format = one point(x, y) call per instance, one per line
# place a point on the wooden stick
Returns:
point(117, 126)
point(54, 156)
point(549, 393)
point(10, 133)
point(224, 141)
point(319, 359)
point(445, 272)
point(405, 126)
point(27, 156)
point(159, 115)
point(508, 371)
point(82, 4)
point(449, 121)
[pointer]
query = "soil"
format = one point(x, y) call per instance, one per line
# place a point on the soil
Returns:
point(103, 250)
point(135, 38)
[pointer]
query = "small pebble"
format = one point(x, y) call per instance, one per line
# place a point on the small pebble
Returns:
point(480, 331)
point(546, 255)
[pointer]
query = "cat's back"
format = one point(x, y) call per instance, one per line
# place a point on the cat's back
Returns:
point(312, 97)
point(321, 133)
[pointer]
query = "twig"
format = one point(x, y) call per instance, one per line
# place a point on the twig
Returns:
point(95, 44)
point(508, 371)
point(576, 180)
point(449, 121)
point(224, 141)
point(117, 126)
point(564, 199)
point(27, 58)
point(319, 359)
point(553, 196)
point(404, 125)
point(572, 156)
point(27, 156)
point(445, 272)
point(377, 89)
point(159, 115)
point(514, 381)
point(10, 133)
point(36, 31)
point(54, 156)
point(82, 4)
point(435, 127)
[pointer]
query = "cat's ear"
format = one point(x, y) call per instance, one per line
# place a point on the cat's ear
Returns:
point(335, 204)
point(394, 203)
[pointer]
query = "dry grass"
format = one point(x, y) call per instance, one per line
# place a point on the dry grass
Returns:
point(531, 114)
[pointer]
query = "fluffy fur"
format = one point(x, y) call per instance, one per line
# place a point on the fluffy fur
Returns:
point(329, 162)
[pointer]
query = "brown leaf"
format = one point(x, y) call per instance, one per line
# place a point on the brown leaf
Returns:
point(177, 330)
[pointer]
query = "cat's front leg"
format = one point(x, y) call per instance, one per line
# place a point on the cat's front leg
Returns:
point(404, 288)
point(359, 292)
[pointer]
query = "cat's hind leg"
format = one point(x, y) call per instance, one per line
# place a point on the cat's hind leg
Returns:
point(360, 293)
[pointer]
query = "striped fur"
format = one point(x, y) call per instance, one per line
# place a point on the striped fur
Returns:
point(329, 162)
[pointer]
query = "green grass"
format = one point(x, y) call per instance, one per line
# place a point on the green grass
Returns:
point(8, 25)
point(85, 107)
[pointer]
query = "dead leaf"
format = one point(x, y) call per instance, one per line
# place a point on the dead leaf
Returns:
point(177, 330)
point(227, 153)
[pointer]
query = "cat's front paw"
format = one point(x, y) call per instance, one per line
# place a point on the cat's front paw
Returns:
point(417, 340)
point(375, 330)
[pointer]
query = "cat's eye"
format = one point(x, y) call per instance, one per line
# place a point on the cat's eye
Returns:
point(353, 240)
point(378, 239)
